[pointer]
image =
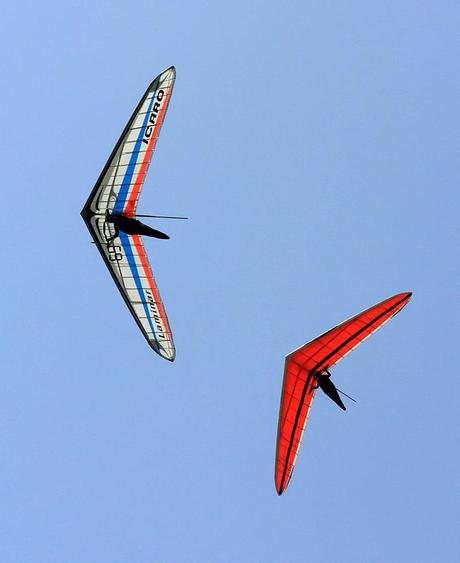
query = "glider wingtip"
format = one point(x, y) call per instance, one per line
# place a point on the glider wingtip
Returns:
point(171, 69)
point(406, 296)
point(280, 485)
point(281, 490)
point(168, 355)
point(162, 75)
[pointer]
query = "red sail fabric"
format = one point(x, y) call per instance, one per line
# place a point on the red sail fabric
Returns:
point(300, 367)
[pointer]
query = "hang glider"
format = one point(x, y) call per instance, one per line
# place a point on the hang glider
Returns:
point(110, 215)
point(307, 368)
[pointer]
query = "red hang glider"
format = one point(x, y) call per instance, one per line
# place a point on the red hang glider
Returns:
point(306, 369)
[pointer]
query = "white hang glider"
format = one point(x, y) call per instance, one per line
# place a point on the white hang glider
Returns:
point(110, 215)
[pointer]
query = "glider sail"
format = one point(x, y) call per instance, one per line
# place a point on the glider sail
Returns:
point(300, 383)
point(116, 193)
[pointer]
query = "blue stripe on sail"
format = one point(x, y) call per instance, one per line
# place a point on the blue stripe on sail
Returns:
point(127, 179)
point(135, 272)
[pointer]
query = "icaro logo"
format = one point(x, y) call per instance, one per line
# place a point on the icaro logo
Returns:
point(153, 117)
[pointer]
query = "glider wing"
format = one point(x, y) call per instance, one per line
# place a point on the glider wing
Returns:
point(118, 187)
point(301, 365)
point(117, 191)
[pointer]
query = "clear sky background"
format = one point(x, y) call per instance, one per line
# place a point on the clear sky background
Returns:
point(315, 146)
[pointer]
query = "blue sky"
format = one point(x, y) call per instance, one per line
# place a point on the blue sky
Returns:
point(315, 148)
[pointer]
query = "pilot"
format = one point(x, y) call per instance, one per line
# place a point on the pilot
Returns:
point(322, 379)
point(131, 226)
